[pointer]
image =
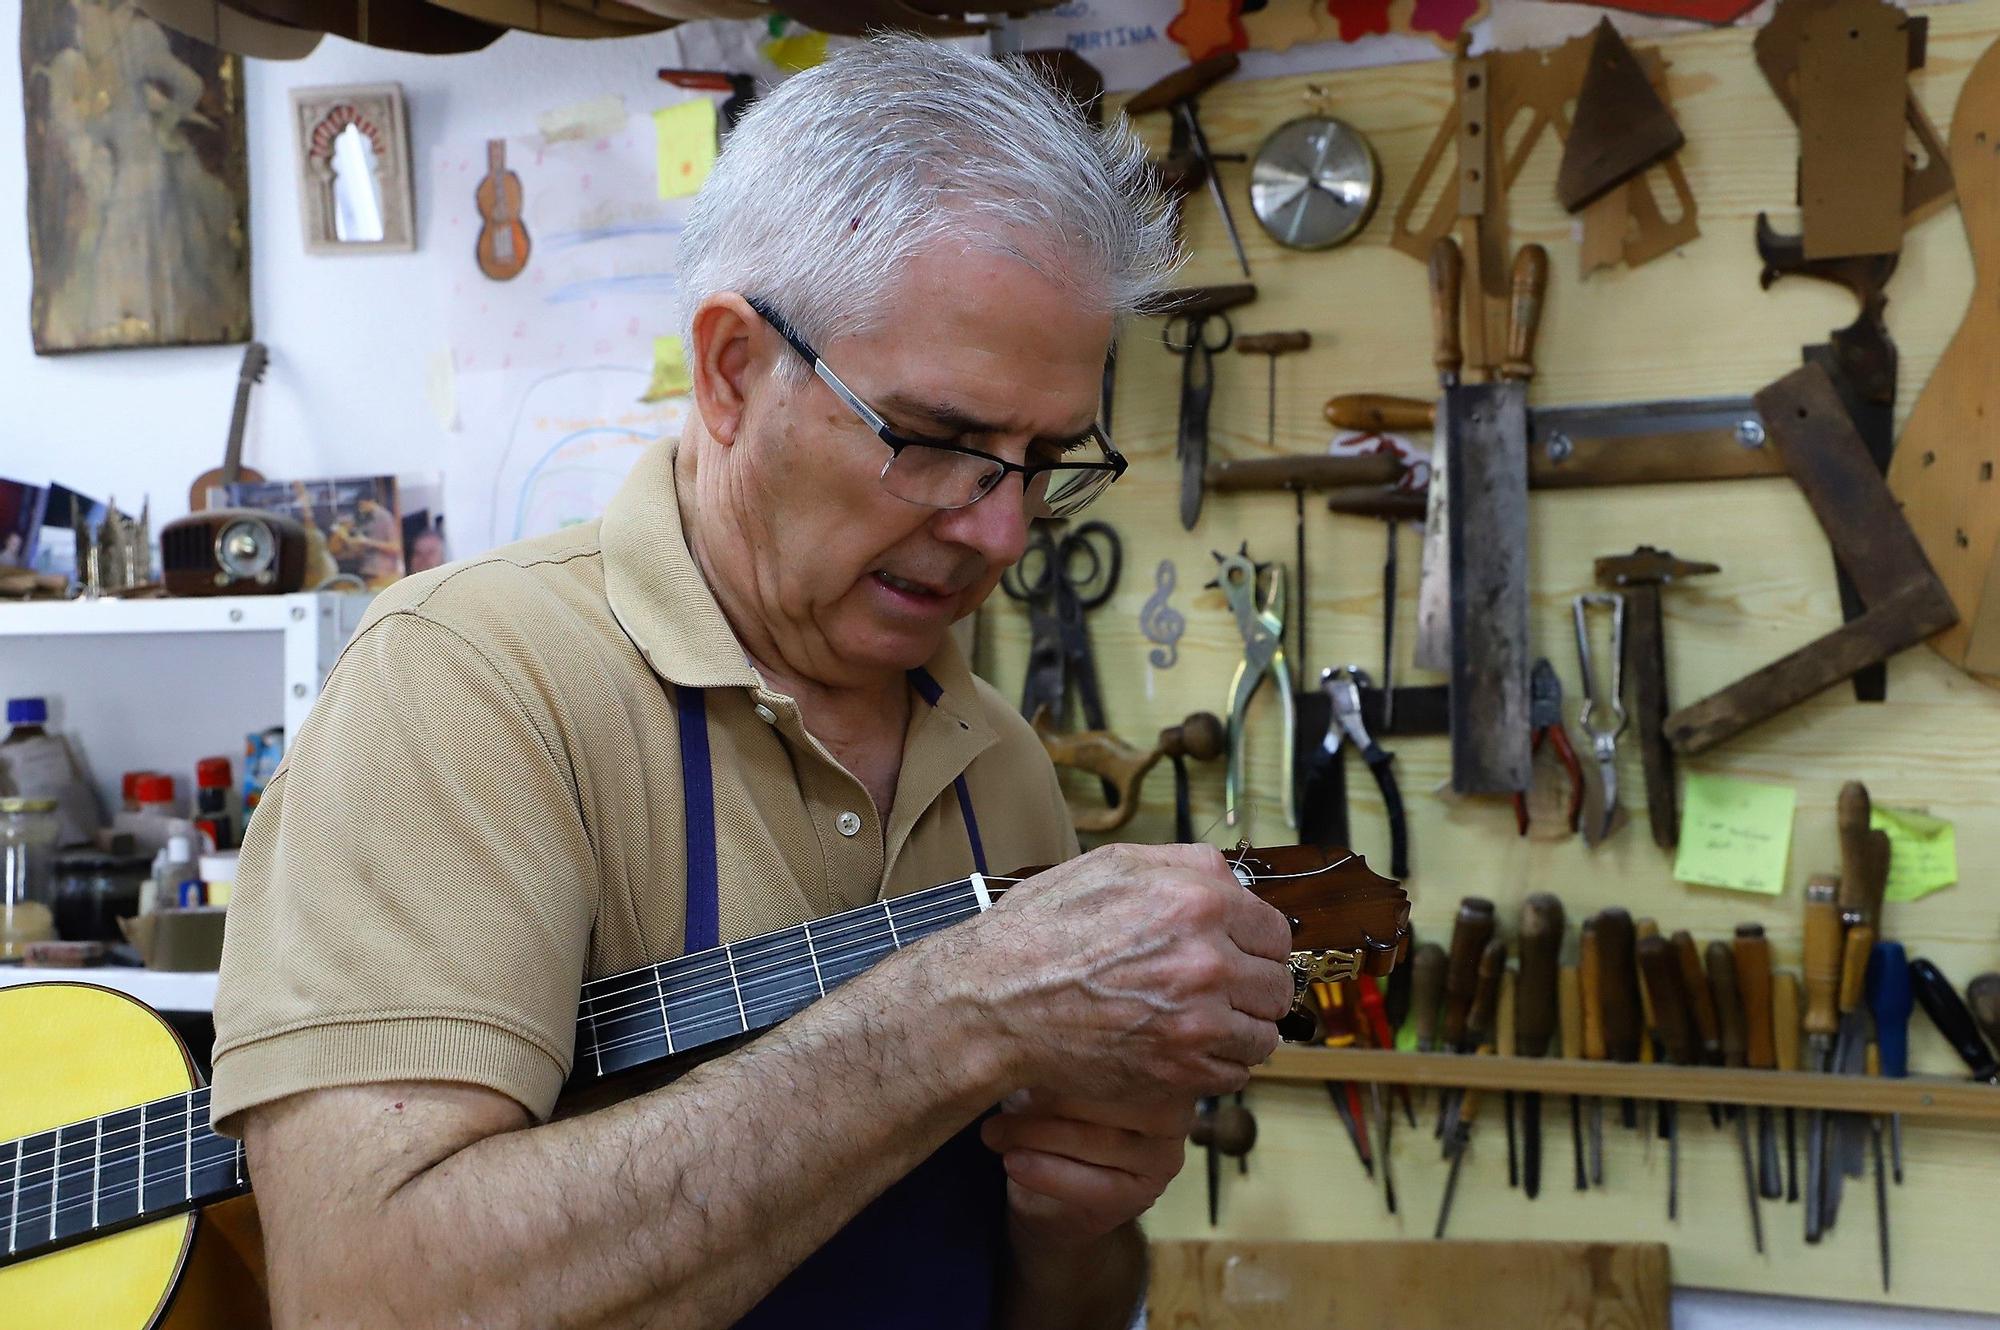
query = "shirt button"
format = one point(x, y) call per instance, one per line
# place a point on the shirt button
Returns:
point(849, 823)
point(765, 714)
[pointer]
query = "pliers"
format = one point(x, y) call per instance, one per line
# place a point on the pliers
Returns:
point(1256, 596)
point(1545, 720)
point(1326, 784)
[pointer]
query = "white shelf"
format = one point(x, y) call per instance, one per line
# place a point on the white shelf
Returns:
point(163, 990)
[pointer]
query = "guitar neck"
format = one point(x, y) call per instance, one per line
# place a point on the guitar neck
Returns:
point(87, 1179)
point(232, 456)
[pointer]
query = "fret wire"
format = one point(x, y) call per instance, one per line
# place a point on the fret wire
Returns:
point(14, 1202)
point(666, 1025)
point(890, 916)
point(813, 957)
point(96, 1159)
point(729, 959)
point(188, 1162)
point(55, 1185)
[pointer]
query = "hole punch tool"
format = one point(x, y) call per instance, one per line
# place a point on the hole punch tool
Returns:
point(1256, 596)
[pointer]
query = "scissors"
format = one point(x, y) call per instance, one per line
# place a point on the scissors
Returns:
point(1062, 575)
point(1260, 618)
point(1188, 336)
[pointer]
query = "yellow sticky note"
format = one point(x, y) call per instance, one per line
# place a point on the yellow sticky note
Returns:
point(796, 52)
point(686, 135)
point(1735, 834)
point(670, 370)
point(1923, 851)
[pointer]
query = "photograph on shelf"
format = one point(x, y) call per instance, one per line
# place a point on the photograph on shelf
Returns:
point(358, 518)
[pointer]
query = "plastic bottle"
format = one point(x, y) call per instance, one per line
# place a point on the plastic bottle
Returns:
point(35, 764)
point(155, 818)
point(179, 869)
point(211, 802)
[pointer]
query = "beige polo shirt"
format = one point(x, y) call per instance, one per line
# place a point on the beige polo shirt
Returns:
point(485, 809)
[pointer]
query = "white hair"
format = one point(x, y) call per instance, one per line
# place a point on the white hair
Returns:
point(898, 146)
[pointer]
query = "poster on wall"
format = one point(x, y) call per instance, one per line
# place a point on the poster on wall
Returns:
point(138, 199)
point(563, 375)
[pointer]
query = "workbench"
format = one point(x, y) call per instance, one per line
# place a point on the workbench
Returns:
point(1693, 324)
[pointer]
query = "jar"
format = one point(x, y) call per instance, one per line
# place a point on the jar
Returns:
point(94, 891)
point(28, 834)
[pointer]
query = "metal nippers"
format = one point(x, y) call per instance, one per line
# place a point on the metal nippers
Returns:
point(1256, 596)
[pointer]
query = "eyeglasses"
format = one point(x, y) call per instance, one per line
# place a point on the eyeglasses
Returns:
point(938, 473)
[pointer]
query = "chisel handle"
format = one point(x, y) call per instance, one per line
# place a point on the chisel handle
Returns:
point(1726, 988)
point(1643, 928)
point(1983, 996)
point(1618, 967)
point(1377, 413)
point(1529, 289)
point(1753, 986)
point(1469, 936)
point(1890, 1001)
point(1662, 972)
point(1785, 1020)
point(1942, 1004)
point(1864, 858)
point(1569, 1008)
point(1447, 274)
point(1540, 940)
point(1483, 1022)
point(1427, 969)
point(1822, 957)
point(1273, 343)
point(1700, 998)
point(1859, 942)
point(1590, 978)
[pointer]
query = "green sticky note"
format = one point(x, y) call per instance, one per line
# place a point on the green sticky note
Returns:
point(686, 142)
point(1923, 851)
point(670, 370)
point(1735, 834)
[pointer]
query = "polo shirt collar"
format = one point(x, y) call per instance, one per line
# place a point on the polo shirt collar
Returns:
point(660, 599)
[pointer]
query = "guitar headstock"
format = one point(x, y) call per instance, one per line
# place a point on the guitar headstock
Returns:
point(1347, 920)
point(255, 359)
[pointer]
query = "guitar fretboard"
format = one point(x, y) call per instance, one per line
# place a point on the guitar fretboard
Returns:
point(87, 1179)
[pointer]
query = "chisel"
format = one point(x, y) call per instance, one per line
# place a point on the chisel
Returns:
point(1724, 985)
point(1481, 1019)
point(1649, 1030)
point(1569, 1004)
point(1590, 978)
point(1701, 1009)
point(1785, 1042)
point(1540, 941)
point(1753, 985)
point(1618, 992)
point(1822, 1022)
point(1338, 1030)
point(1470, 933)
point(1675, 1031)
point(1377, 1032)
point(1427, 969)
point(1942, 1004)
point(1503, 1046)
point(1982, 995)
point(1847, 1133)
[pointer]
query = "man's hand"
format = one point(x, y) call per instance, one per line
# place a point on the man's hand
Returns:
point(1133, 973)
point(1078, 1169)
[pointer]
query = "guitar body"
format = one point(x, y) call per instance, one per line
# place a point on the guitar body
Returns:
point(502, 247)
point(1946, 471)
point(74, 1051)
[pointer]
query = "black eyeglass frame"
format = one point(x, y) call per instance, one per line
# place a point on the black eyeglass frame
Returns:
point(1114, 462)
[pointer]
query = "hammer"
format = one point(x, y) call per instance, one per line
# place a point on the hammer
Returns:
point(1270, 346)
point(1640, 575)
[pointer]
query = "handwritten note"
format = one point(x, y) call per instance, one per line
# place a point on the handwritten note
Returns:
point(1735, 834)
point(1923, 851)
point(670, 370)
point(686, 134)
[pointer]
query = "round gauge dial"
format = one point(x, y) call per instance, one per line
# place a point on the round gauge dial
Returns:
point(1314, 182)
point(245, 548)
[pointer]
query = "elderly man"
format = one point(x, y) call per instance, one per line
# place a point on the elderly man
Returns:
point(733, 706)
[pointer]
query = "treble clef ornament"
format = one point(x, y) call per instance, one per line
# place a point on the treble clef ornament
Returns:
point(1159, 621)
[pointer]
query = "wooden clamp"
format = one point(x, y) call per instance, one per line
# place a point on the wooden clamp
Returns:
point(1906, 602)
point(1202, 736)
point(1640, 575)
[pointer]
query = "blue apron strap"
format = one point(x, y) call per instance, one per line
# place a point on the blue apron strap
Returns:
point(704, 929)
point(929, 690)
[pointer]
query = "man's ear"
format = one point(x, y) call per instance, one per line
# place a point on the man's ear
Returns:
point(723, 362)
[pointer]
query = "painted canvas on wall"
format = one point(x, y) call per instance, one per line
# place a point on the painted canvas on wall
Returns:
point(138, 198)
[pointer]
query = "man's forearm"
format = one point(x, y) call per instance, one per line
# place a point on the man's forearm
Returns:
point(679, 1208)
point(1092, 1286)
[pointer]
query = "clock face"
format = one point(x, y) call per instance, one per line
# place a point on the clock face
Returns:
point(1314, 183)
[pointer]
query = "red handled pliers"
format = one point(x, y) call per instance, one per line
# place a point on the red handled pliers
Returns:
point(1545, 718)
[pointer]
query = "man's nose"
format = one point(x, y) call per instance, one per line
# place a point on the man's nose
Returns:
point(996, 526)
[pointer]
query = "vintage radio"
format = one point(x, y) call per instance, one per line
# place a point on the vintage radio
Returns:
point(233, 552)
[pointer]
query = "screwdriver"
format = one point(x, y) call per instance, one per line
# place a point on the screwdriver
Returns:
point(1728, 999)
point(1619, 992)
point(1874, 1068)
point(1377, 1032)
point(1470, 933)
point(1847, 1133)
point(1337, 1030)
point(1753, 985)
point(1701, 1010)
point(1822, 1022)
point(1569, 1002)
point(1503, 1045)
point(1590, 978)
point(1480, 1019)
point(1942, 1004)
point(1427, 969)
point(1675, 1031)
point(1649, 1027)
point(1540, 941)
point(1890, 1000)
point(1785, 1042)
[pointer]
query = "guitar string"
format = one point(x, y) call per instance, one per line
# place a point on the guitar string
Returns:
point(842, 953)
point(179, 1140)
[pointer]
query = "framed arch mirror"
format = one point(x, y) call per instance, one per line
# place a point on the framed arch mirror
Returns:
point(354, 169)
